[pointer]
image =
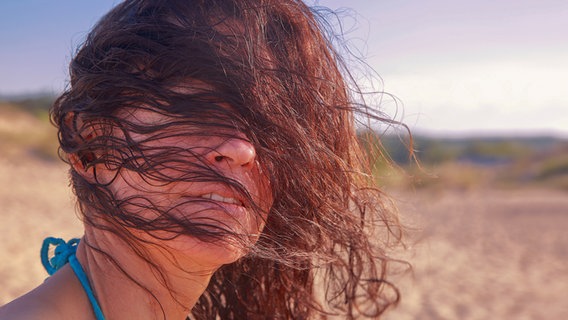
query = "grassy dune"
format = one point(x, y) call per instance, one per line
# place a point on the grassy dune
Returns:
point(26, 133)
point(487, 245)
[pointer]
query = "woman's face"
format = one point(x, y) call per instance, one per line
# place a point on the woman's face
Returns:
point(179, 185)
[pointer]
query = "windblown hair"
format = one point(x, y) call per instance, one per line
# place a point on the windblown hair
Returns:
point(324, 250)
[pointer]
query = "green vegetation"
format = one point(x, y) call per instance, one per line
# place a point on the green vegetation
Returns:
point(25, 129)
point(465, 163)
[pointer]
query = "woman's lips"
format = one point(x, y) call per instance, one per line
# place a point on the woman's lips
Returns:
point(219, 198)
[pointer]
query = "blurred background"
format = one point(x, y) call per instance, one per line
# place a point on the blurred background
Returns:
point(480, 84)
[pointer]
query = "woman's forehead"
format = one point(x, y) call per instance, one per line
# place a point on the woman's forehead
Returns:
point(164, 112)
point(144, 116)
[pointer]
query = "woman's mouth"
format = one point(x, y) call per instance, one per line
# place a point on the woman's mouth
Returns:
point(220, 198)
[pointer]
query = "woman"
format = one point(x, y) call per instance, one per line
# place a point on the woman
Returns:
point(213, 153)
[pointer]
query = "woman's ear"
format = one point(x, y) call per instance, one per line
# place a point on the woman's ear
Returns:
point(81, 161)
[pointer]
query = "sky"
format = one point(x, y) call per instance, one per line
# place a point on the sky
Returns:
point(456, 67)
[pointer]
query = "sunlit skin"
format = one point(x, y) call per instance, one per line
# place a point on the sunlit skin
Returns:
point(186, 262)
point(213, 204)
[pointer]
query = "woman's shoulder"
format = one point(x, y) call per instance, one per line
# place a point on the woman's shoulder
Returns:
point(56, 298)
point(33, 305)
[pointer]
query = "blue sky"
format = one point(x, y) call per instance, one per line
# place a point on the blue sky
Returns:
point(459, 67)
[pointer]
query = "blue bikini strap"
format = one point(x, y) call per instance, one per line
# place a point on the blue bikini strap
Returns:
point(65, 253)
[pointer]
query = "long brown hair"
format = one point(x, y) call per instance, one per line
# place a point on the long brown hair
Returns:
point(324, 250)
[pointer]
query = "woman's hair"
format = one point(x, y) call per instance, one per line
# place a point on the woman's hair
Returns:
point(324, 248)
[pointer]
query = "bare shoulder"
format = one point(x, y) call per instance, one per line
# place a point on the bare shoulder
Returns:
point(56, 298)
point(29, 306)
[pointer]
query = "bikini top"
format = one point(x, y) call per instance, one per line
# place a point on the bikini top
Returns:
point(65, 253)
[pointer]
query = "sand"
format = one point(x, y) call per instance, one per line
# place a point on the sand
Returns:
point(36, 203)
point(487, 254)
point(481, 254)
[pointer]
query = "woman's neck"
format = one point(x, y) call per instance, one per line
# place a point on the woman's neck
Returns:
point(129, 287)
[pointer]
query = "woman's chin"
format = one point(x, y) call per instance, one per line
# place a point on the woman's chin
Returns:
point(231, 238)
point(213, 253)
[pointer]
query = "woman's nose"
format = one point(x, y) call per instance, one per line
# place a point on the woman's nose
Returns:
point(234, 153)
